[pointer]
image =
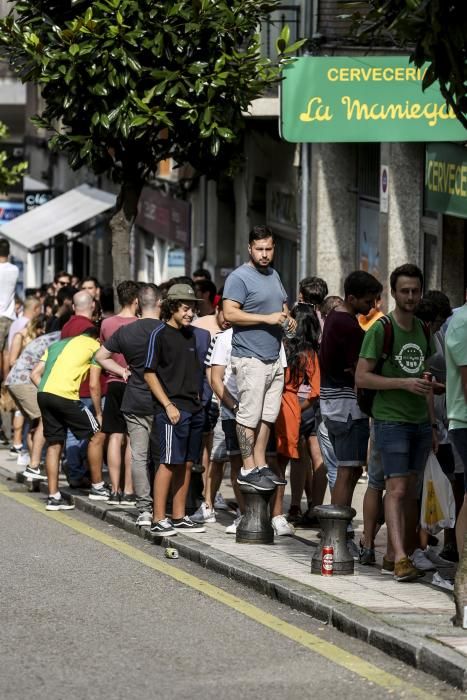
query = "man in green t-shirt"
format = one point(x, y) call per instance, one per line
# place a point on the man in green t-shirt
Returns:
point(456, 402)
point(402, 409)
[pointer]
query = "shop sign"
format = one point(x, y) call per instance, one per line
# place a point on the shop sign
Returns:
point(35, 198)
point(446, 179)
point(363, 98)
point(164, 216)
point(10, 210)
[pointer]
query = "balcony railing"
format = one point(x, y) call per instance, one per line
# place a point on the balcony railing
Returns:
point(286, 14)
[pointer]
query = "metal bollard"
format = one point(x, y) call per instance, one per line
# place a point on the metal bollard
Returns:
point(255, 526)
point(334, 521)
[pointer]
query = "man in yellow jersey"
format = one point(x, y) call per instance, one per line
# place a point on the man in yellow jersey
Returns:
point(58, 377)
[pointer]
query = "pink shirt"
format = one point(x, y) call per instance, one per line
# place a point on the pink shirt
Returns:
point(108, 328)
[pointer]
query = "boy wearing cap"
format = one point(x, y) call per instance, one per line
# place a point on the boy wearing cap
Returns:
point(174, 374)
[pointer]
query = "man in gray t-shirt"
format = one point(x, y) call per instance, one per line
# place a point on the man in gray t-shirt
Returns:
point(255, 303)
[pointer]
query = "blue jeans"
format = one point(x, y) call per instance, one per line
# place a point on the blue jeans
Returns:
point(76, 450)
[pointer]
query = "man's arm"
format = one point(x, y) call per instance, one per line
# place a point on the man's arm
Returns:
point(37, 373)
point(95, 391)
point(219, 388)
point(104, 358)
point(365, 378)
point(463, 371)
point(235, 315)
point(158, 391)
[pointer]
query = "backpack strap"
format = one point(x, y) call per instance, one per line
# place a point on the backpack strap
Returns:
point(388, 336)
point(427, 332)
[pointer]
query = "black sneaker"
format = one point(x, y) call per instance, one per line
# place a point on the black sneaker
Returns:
point(128, 499)
point(58, 504)
point(99, 494)
point(113, 499)
point(257, 479)
point(14, 452)
point(279, 481)
point(163, 528)
point(34, 473)
point(186, 524)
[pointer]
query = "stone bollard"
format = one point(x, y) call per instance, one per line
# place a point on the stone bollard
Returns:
point(255, 526)
point(334, 521)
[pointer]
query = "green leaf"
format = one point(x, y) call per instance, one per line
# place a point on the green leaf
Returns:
point(182, 103)
point(73, 49)
point(139, 121)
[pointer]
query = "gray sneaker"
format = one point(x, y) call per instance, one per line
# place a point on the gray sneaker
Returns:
point(257, 480)
point(366, 556)
point(99, 494)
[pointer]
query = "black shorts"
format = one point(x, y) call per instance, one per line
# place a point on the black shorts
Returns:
point(211, 414)
point(310, 420)
point(181, 442)
point(112, 417)
point(60, 415)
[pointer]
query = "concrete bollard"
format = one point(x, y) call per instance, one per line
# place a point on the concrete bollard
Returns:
point(334, 521)
point(255, 526)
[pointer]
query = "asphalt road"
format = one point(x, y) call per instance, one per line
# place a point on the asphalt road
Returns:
point(88, 611)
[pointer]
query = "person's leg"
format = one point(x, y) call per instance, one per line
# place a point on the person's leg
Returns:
point(128, 478)
point(18, 423)
point(181, 475)
point(162, 481)
point(38, 442)
point(319, 481)
point(114, 459)
point(52, 461)
point(261, 442)
point(394, 509)
point(299, 469)
point(213, 481)
point(329, 457)
point(94, 454)
point(344, 487)
point(246, 441)
point(277, 501)
point(372, 506)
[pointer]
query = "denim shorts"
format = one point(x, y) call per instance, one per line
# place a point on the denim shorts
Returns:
point(404, 447)
point(349, 440)
point(459, 438)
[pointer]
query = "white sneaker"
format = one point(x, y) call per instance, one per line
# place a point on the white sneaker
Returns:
point(421, 562)
point(281, 526)
point(23, 459)
point(438, 580)
point(219, 503)
point(204, 515)
point(232, 529)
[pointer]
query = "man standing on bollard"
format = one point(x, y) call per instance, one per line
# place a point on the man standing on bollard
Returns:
point(255, 303)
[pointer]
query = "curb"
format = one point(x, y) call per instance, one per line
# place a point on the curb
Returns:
point(424, 654)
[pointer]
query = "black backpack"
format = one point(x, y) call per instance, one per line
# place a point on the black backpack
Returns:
point(365, 397)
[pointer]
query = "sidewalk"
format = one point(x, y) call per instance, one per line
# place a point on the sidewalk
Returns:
point(410, 621)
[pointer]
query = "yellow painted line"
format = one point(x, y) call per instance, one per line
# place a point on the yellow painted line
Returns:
point(330, 651)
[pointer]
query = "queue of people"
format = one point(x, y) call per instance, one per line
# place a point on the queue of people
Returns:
point(185, 378)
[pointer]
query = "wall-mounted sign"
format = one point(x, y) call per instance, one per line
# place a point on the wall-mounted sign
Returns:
point(446, 179)
point(35, 198)
point(384, 189)
point(363, 98)
point(164, 216)
point(10, 210)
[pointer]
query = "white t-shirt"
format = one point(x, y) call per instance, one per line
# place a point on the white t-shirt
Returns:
point(8, 278)
point(221, 350)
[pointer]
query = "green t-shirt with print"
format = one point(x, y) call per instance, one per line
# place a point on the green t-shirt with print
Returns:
point(456, 357)
point(407, 359)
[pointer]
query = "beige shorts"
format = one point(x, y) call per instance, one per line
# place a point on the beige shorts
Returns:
point(260, 385)
point(25, 396)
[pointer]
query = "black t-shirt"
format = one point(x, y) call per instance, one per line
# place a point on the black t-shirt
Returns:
point(172, 355)
point(132, 342)
point(339, 350)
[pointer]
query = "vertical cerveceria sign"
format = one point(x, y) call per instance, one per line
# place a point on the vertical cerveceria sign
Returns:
point(446, 179)
point(364, 98)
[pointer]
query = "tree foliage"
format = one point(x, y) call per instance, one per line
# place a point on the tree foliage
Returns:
point(9, 174)
point(130, 82)
point(435, 31)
